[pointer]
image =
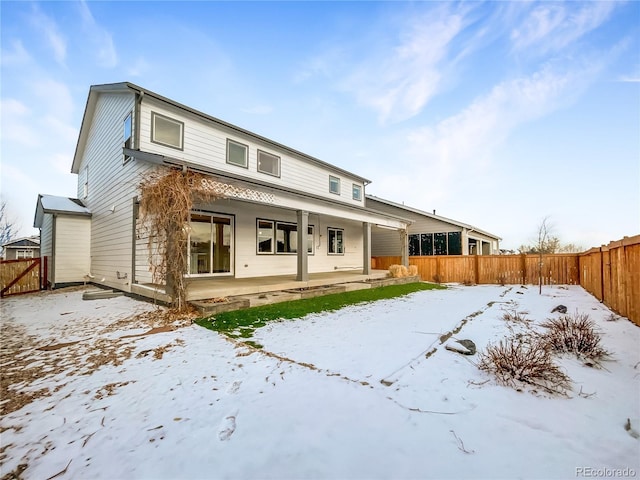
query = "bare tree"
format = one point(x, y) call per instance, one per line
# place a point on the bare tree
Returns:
point(8, 225)
point(545, 242)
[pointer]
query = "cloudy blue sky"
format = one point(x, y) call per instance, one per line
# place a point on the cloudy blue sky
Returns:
point(496, 114)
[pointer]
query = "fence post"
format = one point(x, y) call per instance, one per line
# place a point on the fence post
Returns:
point(523, 257)
point(477, 267)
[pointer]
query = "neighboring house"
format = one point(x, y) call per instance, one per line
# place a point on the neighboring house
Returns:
point(275, 198)
point(65, 228)
point(25, 247)
point(430, 234)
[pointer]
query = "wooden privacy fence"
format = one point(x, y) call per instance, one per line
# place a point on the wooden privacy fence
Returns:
point(21, 276)
point(610, 273)
point(497, 269)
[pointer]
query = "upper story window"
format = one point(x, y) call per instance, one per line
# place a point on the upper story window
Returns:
point(127, 132)
point(85, 183)
point(357, 192)
point(268, 163)
point(128, 136)
point(334, 185)
point(237, 154)
point(167, 131)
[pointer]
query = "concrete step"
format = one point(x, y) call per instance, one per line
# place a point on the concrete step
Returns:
point(100, 294)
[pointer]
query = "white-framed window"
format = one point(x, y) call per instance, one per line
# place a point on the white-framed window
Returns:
point(336, 241)
point(280, 237)
point(127, 135)
point(237, 153)
point(210, 244)
point(85, 185)
point(334, 184)
point(167, 131)
point(24, 254)
point(264, 236)
point(357, 192)
point(268, 163)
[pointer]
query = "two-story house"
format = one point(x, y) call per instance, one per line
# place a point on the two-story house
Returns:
point(281, 212)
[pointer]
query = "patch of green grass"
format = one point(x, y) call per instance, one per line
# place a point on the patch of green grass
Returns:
point(242, 323)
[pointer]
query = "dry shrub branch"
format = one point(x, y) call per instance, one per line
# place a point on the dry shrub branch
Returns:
point(574, 334)
point(514, 362)
point(166, 201)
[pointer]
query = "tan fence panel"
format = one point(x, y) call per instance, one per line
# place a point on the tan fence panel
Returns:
point(590, 264)
point(500, 269)
point(19, 276)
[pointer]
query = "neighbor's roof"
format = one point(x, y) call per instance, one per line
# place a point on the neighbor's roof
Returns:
point(52, 204)
point(124, 87)
point(23, 242)
point(432, 215)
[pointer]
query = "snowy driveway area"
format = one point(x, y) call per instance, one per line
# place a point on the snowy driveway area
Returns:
point(107, 389)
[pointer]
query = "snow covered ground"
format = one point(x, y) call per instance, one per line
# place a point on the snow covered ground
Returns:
point(355, 394)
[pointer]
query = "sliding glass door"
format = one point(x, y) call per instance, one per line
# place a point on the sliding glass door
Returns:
point(210, 244)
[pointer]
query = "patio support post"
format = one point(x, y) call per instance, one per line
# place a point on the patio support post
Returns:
point(366, 248)
point(303, 254)
point(405, 246)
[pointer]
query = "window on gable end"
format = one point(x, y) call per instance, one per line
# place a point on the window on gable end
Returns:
point(128, 136)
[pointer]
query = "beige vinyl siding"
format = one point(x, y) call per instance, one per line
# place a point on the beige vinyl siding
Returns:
point(46, 243)
point(112, 187)
point(72, 254)
point(205, 144)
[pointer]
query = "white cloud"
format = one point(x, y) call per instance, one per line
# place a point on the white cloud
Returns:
point(554, 26)
point(15, 123)
point(12, 108)
point(54, 39)
point(54, 97)
point(99, 37)
point(18, 55)
point(400, 81)
point(459, 148)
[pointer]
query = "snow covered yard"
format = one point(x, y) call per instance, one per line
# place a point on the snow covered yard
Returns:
point(365, 392)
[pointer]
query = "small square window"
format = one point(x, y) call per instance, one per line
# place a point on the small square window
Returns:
point(334, 185)
point(357, 192)
point(166, 131)
point(268, 163)
point(237, 154)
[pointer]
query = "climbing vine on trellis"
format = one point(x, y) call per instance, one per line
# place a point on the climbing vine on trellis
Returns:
point(166, 201)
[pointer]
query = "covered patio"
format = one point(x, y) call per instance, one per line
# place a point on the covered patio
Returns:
point(221, 287)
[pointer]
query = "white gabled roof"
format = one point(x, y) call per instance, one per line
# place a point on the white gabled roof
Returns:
point(53, 204)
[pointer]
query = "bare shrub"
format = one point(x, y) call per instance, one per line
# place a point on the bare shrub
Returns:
point(513, 315)
point(515, 363)
point(412, 271)
point(574, 334)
